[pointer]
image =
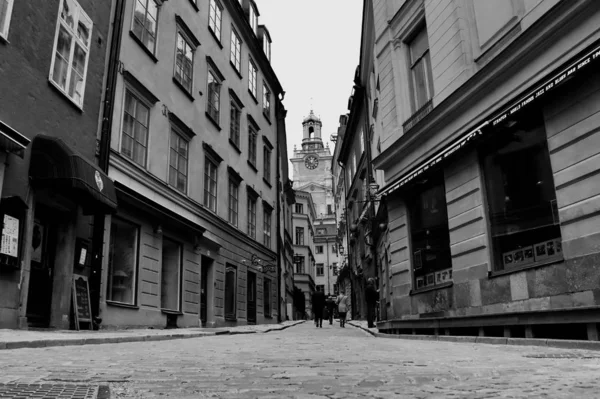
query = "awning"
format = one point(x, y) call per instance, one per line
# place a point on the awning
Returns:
point(56, 166)
point(11, 140)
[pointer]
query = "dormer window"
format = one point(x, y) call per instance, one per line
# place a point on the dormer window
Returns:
point(253, 18)
point(267, 47)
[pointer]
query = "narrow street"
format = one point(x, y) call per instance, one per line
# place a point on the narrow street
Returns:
point(307, 362)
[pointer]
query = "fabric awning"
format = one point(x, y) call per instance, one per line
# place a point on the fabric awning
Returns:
point(55, 165)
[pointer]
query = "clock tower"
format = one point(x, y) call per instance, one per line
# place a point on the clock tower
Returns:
point(312, 165)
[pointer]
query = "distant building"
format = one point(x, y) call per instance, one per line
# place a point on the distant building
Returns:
point(303, 218)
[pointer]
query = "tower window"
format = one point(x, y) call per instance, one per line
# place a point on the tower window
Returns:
point(311, 131)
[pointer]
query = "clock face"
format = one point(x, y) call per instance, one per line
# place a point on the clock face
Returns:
point(311, 162)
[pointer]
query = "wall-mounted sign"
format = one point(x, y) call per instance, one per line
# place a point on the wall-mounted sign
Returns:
point(10, 237)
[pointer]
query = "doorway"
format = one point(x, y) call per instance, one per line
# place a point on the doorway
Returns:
point(251, 295)
point(205, 266)
point(43, 250)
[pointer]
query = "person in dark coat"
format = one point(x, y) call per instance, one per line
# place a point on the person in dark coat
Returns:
point(330, 304)
point(318, 303)
point(372, 298)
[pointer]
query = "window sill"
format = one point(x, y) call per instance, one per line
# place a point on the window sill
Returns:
point(526, 267)
point(183, 89)
point(239, 74)
point(267, 117)
point(215, 37)
point(122, 305)
point(174, 312)
point(143, 46)
point(253, 96)
point(252, 166)
point(193, 3)
point(433, 288)
point(63, 94)
point(214, 122)
point(268, 183)
point(235, 146)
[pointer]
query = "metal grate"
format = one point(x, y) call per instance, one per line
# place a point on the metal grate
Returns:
point(48, 391)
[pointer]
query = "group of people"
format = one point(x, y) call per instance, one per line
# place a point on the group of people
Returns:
point(324, 307)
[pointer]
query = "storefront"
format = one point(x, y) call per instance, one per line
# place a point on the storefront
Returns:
point(496, 233)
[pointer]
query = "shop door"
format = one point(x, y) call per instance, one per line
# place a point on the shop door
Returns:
point(41, 276)
point(251, 297)
point(204, 290)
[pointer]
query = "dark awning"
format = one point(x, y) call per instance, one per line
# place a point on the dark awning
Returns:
point(55, 165)
point(11, 140)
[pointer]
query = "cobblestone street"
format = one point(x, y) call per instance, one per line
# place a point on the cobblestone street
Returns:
point(307, 362)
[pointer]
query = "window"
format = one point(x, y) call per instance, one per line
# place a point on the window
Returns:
point(522, 206)
point(214, 18)
point(236, 51)
point(214, 96)
point(299, 235)
point(300, 265)
point(145, 17)
point(178, 162)
point(335, 268)
point(134, 140)
point(230, 292)
point(122, 262)
point(5, 13)
point(267, 163)
point(420, 67)
point(234, 195)
point(321, 288)
point(321, 232)
point(320, 267)
point(319, 249)
point(329, 209)
point(210, 184)
point(252, 216)
point(71, 51)
point(266, 101)
point(252, 72)
point(252, 140)
point(234, 123)
point(184, 63)
point(253, 18)
point(334, 249)
point(429, 232)
point(362, 141)
point(267, 227)
point(267, 47)
point(299, 208)
point(170, 286)
point(267, 297)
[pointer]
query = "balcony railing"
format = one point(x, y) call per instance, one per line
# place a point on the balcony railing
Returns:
point(417, 116)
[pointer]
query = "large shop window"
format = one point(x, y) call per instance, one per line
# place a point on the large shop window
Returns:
point(170, 275)
point(122, 262)
point(230, 292)
point(521, 196)
point(432, 263)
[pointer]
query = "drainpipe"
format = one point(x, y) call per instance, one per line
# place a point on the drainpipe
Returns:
point(281, 112)
point(104, 153)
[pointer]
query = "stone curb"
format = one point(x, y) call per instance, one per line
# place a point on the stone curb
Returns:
point(551, 343)
point(46, 343)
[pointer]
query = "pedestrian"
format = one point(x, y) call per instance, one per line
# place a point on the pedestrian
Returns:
point(318, 303)
point(330, 304)
point(372, 295)
point(342, 302)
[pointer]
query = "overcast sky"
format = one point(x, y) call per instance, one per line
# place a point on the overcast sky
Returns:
point(315, 51)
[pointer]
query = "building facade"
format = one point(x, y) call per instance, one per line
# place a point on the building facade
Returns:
point(303, 218)
point(52, 57)
point(193, 147)
point(488, 142)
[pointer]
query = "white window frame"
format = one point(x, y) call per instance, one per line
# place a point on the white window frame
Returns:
point(252, 78)
point(213, 108)
point(141, 39)
point(427, 68)
point(4, 25)
point(233, 211)
point(174, 132)
point(235, 56)
point(266, 101)
point(253, 19)
point(215, 18)
point(207, 189)
point(141, 100)
point(78, 15)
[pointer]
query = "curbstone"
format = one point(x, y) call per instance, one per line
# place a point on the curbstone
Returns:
point(572, 344)
point(458, 338)
point(527, 341)
point(2, 345)
point(64, 342)
point(26, 344)
point(492, 340)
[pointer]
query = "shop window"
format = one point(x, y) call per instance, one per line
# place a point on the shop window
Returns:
point(521, 197)
point(5, 12)
point(144, 25)
point(230, 292)
point(122, 262)
point(267, 297)
point(430, 238)
point(320, 269)
point(71, 51)
point(170, 286)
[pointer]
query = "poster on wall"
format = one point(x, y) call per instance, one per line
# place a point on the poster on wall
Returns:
point(10, 237)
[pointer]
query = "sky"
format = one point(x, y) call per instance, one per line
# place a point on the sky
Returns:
point(315, 51)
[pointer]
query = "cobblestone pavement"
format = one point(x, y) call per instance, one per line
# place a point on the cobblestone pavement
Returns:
point(309, 362)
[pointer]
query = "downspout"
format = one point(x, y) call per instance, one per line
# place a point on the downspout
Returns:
point(104, 153)
point(280, 121)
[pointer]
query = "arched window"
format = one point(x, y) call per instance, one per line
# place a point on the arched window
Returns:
point(311, 132)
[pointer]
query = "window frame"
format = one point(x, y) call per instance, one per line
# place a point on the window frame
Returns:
point(135, 268)
point(267, 152)
point(318, 249)
point(299, 207)
point(189, 43)
point(175, 133)
point(74, 41)
point(235, 52)
point(5, 25)
point(252, 79)
point(139, 100)
point(233, 201)
point(253, 18)
point(252, 144)
point(299, 235)
point(267, 47)
point(235, 122)
point(266, 108)
point(208, 194)
point(252, 203)
point(140, 40)
point(267, 226)
point(412, 64)
point(214, 16)
point(214, 111)
point(321, 266)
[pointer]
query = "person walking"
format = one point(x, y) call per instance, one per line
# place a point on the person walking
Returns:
point(342, 303)
point(372, 295)
point(318, 303)
point(330, 304)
